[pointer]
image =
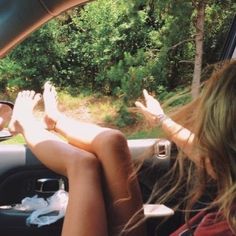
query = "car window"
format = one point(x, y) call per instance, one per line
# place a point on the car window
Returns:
point(234, 54)
point(229, 49)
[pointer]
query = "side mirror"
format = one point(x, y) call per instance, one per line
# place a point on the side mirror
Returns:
point(6, 108)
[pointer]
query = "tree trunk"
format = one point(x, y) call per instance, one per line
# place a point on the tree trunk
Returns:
point(200, 18)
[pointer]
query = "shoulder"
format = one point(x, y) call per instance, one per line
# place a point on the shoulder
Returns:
point(207, 224)
point(213, 224)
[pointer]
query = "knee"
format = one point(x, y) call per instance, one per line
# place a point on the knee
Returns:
point(116, 139)
point(110, 140)
point(82, 161)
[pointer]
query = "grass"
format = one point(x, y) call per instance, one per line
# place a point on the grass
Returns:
point(102, 110)
point(148, 133)
point(91, 108)
point(18, 139)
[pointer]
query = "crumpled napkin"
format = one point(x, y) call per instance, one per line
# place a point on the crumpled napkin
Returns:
point(41, 207)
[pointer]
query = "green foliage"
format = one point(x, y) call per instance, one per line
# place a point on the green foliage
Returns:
point(10, 75)
point(117, 48)
point(39, 58)
point(174, 34)
point(106, 32)
point(108, 119)
point(125, 118)
point(148, 133)
point(216, 27)
point(17, 139)
point(130, 75)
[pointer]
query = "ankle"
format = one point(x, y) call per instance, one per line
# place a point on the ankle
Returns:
point(58, 121)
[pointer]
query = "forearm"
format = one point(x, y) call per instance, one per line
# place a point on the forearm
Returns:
point(181, 136)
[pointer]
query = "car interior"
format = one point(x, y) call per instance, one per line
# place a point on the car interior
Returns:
point(22, 175)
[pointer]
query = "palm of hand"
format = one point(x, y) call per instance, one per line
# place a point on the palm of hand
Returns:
point(152, 107)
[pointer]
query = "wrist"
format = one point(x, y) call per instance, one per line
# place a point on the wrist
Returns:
point(162, 118)
point(53, 123)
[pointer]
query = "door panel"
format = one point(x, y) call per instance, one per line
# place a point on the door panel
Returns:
point(19, 174)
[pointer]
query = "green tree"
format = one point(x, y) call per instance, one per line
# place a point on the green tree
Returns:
point(118, 47)
point(40, 57)
point(213, 9)
point(101, 34)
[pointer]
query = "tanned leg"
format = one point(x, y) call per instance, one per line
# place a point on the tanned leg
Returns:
point(85, 215)
point(110, 147)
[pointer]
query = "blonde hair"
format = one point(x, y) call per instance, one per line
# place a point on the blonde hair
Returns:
point(212, 117)
point(216, 136)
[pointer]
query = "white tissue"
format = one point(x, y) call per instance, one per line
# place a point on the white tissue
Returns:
point(57, 204)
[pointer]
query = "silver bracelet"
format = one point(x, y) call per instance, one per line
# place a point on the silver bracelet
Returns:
point(161, 118)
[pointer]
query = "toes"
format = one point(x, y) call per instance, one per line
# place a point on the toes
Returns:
point(27, 93)
point(47, 86)
point(20, 94)
point(54, 92)
point(37, 97)
point(23, 94)
point(31, 94)
point(49, 91)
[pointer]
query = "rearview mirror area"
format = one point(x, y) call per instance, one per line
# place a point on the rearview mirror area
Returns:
point(6, 109)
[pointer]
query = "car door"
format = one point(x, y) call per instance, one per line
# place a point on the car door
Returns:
point(22, 175)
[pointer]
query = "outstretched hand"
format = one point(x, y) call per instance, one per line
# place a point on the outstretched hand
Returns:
point(152, 107)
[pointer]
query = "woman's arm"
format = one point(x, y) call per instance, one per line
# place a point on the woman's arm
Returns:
point(181, 136)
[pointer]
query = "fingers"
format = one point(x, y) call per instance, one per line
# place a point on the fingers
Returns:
point(145, 94)
point(140, 105)
point(146, 97)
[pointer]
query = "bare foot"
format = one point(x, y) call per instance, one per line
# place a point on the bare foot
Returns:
point(22, 115)
point(50, 104)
